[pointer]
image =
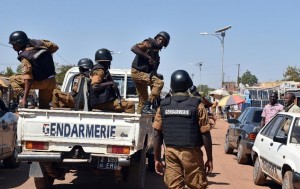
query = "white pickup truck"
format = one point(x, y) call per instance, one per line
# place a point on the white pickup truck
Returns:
point(55, 141)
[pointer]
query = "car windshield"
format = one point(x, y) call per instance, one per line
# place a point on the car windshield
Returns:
point(295, 135)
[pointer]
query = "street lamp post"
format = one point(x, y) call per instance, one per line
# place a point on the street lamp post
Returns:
point(220, 34)
point(200, 65)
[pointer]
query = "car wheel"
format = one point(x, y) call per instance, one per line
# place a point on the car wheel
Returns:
point(227, 148)
point(259, 178)
point(240, 157)
point(287, 182)
point(11, 162)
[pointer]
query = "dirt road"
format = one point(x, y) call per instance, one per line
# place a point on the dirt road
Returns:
point(227, 173)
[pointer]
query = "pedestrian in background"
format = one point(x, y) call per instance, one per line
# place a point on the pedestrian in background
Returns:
point(38, 70)
point(182, 123)
point(271, 109)
point(289, 103)
point(144, 70)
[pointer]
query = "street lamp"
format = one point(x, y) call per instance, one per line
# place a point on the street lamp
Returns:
point(200, 65)
point(220, 34)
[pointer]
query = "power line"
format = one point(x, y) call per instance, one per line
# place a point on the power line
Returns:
point(5, 45)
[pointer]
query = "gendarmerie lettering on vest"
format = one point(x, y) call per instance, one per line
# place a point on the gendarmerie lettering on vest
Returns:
point(178, 112)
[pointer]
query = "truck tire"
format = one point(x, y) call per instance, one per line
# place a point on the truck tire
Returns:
point(137, 171)
point(240, 157)
point(45, 182)
point(11, 162)
point(227, 148)
point(259, 178)
point(287, 182)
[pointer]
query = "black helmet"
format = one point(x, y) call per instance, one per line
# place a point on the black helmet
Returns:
point(181, 81)
point(103, 55)
point(18, 37)
point(86, 63)
point(164, 35)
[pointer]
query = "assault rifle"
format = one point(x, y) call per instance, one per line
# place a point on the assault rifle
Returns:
point(116, 89)
point(82, 94)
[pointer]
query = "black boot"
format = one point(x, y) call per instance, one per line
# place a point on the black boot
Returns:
point(147, 108)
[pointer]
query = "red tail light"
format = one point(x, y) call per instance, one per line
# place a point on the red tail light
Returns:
point(252, 136)
point(118, 149)
point(36, 145)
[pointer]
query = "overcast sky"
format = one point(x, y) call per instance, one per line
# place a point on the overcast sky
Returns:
point(264, 37)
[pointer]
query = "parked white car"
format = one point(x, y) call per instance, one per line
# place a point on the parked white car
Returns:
point(276, 151)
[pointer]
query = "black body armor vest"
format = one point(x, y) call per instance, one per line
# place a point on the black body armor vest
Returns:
point(180, 121)
point(104, 95)
point(78, 77)
point(40, 59)
point(141, 63)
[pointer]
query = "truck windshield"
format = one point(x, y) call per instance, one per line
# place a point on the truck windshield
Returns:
point(130, 87)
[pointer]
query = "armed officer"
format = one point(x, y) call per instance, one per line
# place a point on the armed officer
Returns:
point(38, 70)
point(68, 100)
point(182, 123)
point(144, 67)
point(104, 94)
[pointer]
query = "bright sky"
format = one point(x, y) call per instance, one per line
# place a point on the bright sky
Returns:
point(264, 37)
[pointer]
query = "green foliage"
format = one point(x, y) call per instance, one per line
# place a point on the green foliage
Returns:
point(61, 72)
point(292, 73)
point(248, 78)
point(205, 89)
point(8, 72)
point(19, 69)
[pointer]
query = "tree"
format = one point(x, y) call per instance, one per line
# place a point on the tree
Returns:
point(61, 72)
point(9, 72)
point(292, 73)
point(19, 69)
point(248, 78)
point(204, 89)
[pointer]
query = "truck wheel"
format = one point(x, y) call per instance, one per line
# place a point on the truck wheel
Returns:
point(137, 172)
point(287, 180)
point(259, 178)
point(11, 162)
point(227, 148)
point(151, 163)
point(240, 157)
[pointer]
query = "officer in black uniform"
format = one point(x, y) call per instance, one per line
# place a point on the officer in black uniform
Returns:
point(182, 123)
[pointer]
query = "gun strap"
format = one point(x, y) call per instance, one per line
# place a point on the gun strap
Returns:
point(85, 95)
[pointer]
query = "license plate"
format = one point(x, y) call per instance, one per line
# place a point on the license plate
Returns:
point(108, 163)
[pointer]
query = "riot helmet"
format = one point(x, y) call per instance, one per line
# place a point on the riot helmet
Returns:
point(164, 35)
point(18, 38)
point(103, 57)
point(85, 63)
point(181, 81)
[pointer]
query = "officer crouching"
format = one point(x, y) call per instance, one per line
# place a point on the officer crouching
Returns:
point(182, 123)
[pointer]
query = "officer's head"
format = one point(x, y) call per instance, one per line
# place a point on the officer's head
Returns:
point(163, 38)
point(19, 40)
point(85, 64)
point(181, 81)
point(103, 57)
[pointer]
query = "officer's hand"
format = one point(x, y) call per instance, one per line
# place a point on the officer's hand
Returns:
point(208, 166)
point(159, 168)
point(23, 102)
point(151, 61)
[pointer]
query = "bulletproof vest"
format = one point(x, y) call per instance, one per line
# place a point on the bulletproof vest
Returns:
point(180, 121)
point(40, 59)
point(141, 63)
point(105, 95)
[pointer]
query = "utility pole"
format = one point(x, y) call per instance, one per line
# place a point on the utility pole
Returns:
point(200, 65)
point(238, 76)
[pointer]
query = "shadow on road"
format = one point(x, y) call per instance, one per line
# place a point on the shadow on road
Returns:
point(11, 178)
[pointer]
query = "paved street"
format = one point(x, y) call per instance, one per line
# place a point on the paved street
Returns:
point(227, 174)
